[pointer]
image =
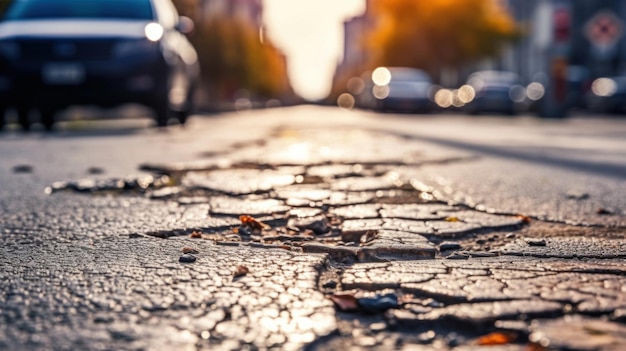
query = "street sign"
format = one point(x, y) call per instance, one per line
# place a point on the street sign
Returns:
point(562, 24)
point(604, 29)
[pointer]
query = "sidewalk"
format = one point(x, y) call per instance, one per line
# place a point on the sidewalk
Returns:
point(340, 246)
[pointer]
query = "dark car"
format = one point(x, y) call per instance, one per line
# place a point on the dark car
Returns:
point(402, 89)
point(495, 91)
point(59, 53)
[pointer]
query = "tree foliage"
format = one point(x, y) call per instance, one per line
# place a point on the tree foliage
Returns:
point(233, 57)
point(436, 34)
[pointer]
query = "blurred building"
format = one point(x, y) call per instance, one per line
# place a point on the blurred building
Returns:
point(566, 45)
point(587, 35)
point(356, 56)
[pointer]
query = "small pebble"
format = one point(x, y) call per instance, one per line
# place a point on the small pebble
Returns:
point(23, 169)
point(187, 258)
point(577, 195)
point(536, 242)
point(457, 256)
point(604, 211)
point(449, 245)
point(95, 170)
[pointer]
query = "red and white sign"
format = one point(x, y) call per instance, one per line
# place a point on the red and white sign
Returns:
point(604, 29)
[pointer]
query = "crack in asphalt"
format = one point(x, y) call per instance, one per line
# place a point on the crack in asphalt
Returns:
point(343, 216)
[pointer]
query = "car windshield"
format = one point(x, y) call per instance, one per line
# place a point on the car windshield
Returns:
point(78, 9)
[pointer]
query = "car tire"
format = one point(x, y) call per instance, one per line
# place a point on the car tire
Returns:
point(184, 114)
point(161, 113)
point(182, 117)
point(47, 118)
point(23, 117)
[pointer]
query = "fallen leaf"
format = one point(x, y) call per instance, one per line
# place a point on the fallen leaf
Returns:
point(345, 302)
point(252, 222)
point(196, 235)
point(535, 347)
point(452, 219)
point(496, 338)
point(524, 218)
point(190, 250)
point(241, 271)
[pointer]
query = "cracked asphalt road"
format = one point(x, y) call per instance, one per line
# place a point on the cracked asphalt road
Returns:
point(466, 235)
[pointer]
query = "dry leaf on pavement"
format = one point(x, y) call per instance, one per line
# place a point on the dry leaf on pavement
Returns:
point(524, 218)
point(496, 338)
point(345, 301)
point(241, 271)
point(252, 222)
point(190, 250)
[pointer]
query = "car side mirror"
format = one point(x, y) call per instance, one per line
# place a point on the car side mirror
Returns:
point(185, 25)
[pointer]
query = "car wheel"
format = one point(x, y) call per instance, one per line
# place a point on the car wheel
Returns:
point(47, 118)
point(23, 117)
point(161, 113)
point(183, 114)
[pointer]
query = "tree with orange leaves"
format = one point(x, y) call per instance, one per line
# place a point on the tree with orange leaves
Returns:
point(438, 34)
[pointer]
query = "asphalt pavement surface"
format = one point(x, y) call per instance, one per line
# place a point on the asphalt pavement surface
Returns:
point(315, 228)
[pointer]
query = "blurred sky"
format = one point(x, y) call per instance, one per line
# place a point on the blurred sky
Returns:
point(310, 33)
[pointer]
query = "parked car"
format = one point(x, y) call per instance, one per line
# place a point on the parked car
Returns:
point(402, 89)
point(495, 91)
point(59, 53)
point(607, 95)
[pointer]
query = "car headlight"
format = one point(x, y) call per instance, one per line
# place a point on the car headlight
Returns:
point(154, 31)
point(9, 49)
point(133, 47)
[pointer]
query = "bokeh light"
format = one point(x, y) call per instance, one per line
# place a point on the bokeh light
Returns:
point(381, 76)
point(380, 92)
point(535, 91)
point(346, 101)
point(517, 93)
point(443, 98)
point(604, 87)
point(356, 85)
point(466, 94)
point(456, 100)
